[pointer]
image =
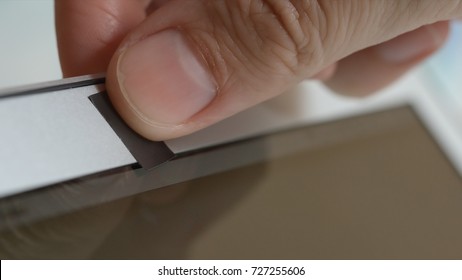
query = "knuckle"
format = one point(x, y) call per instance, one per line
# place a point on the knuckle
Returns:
point(288, 35)
point(301, 25)
point(264, 39)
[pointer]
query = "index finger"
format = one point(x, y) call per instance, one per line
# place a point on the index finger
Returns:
point(88, 32)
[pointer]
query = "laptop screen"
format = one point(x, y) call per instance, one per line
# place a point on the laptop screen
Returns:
point(370, 187)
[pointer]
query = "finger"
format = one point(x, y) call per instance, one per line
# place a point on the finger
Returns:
point(89, 32)
point(193, 63)
point(376, 67)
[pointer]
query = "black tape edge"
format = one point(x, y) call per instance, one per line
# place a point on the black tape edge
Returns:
point(149, 154)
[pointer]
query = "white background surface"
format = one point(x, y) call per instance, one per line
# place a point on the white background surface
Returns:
point(28, 51)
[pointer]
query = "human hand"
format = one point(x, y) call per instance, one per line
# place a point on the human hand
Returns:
point(174, 67)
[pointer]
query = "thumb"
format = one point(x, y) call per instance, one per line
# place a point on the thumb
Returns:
point(193, 63)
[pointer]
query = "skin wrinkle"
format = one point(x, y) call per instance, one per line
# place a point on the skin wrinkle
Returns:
point(270, 23)
point(425, 5)
point(321, 17)
point(244, 19)
point(315, 34)
point(232, 44)
point(219, 49)
point(200, 48)
point(356, 22)
point(215, 48)
point(248, 26)
point(407, 11)
point(270, 44)
point(234, 47)
point(314, 14)
point(293, 36)
point(410, 10)
point(293, 51)
point(334, 28)
point(240, 33)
